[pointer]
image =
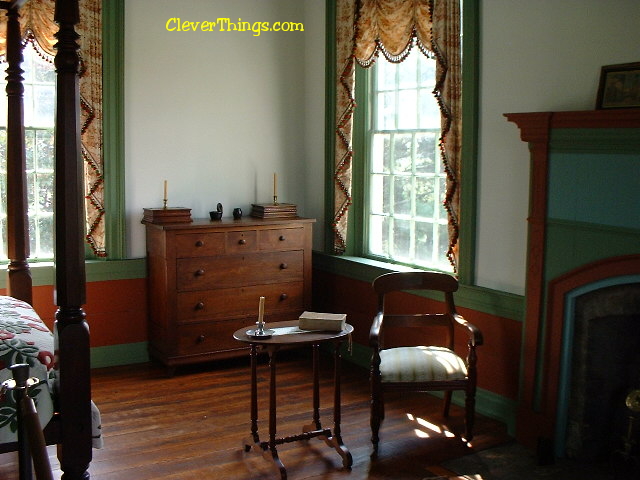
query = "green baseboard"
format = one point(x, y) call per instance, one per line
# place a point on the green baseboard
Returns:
point(114, 355)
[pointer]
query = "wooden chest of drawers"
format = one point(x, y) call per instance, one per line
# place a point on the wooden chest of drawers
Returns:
point(205, 280)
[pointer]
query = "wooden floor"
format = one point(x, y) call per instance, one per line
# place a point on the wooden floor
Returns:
point(191, 426)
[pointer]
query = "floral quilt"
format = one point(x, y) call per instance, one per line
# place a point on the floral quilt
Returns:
point(24, 338)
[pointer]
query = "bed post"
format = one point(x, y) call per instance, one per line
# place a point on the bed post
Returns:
point(72, 329)
point(19, 282)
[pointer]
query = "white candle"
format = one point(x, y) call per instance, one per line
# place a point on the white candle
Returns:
point(275, 185)
point(261, 310)
point(165, 189)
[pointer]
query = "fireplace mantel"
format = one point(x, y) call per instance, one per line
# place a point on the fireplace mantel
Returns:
point(559, 141)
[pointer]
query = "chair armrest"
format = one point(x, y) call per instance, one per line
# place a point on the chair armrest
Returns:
point(475, 335)
point(374, 333)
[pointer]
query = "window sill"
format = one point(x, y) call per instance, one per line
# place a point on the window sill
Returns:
point(492, 302)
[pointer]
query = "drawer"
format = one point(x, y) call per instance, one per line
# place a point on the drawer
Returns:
point(209, 336)
point(281, 239)
point(241, 301)
point(239, 270)
point(241, 241)
point(200, 244)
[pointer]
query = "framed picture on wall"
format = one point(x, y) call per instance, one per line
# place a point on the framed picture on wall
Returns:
point(619, 86)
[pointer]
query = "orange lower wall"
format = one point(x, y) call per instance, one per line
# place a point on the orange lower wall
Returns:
point(117, 315)
point(498, 358)
point(116, 310)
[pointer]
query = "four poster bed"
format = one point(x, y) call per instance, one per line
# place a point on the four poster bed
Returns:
point(69, 409)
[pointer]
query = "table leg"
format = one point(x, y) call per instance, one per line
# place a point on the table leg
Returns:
point(272, 413)
point(316, 387)
point(315, 422)
point(336, 440)
point(255, 437)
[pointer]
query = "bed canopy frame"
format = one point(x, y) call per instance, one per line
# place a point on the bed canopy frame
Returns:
point(71, 425)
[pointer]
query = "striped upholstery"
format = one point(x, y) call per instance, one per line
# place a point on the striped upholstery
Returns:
point(420, 364)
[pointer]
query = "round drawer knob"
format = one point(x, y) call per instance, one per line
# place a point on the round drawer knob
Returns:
point(199, 243)
point(242, 241)
point(200, 306)
point(200, 339)
point(282, 238)
point(283, 296)
point(284, 266)
point(199, 273)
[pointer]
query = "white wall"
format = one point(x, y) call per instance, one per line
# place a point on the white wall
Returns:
point(217, 113)
point(542, 55)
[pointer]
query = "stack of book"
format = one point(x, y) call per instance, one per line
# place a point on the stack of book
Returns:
point(167, 215)
point(274, 210)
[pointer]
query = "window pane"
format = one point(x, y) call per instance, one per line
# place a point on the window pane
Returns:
point(27, 64)
point(429, 110)
point(378, 238)
point(381, 153)
point(31, 192)
point(443, 190)
point(401, 239)
point(45, 189)
point(28, 105)
point(424, 243)
point(30, 142)
point(44, 149)
point(45, 235)
point(402, 196)
point(407, 109)
point(425, 152)
point(402, 153)
point(427, 71)
point(3, 238)
point(44, 106)
point(386, 75)
point(3, 149)
point(407, 72)
point(386, 118)
point(44, 72)
point(443, 237)
point(425, 197)
point(380, 197)
point(3, 105)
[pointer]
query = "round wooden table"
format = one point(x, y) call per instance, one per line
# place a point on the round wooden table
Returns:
point(287, 334)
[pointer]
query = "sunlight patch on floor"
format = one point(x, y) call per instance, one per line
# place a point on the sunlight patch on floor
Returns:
point(420, 432)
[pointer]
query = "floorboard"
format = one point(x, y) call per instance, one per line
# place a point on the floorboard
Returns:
point(191, 426)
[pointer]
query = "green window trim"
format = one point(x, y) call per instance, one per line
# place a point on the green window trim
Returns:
point(113, 127)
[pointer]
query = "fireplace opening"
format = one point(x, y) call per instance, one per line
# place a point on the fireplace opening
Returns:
point(605, 367)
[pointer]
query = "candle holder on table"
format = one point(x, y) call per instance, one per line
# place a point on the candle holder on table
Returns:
point(260, 332)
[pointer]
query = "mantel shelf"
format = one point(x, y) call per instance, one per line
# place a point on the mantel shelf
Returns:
point(535, 125)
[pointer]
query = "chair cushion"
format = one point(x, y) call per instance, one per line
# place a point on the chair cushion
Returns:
point(421, 364)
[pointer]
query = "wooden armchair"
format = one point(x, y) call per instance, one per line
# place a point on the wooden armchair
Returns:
point(421, 368)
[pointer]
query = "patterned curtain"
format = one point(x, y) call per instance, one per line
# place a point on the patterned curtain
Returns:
point(37, 26)
point(366, 28)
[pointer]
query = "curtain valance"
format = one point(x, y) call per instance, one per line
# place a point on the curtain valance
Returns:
point(391, 27)
point(36, 23)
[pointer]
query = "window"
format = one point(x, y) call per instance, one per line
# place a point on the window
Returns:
point(39, 108)
point(404, 215)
